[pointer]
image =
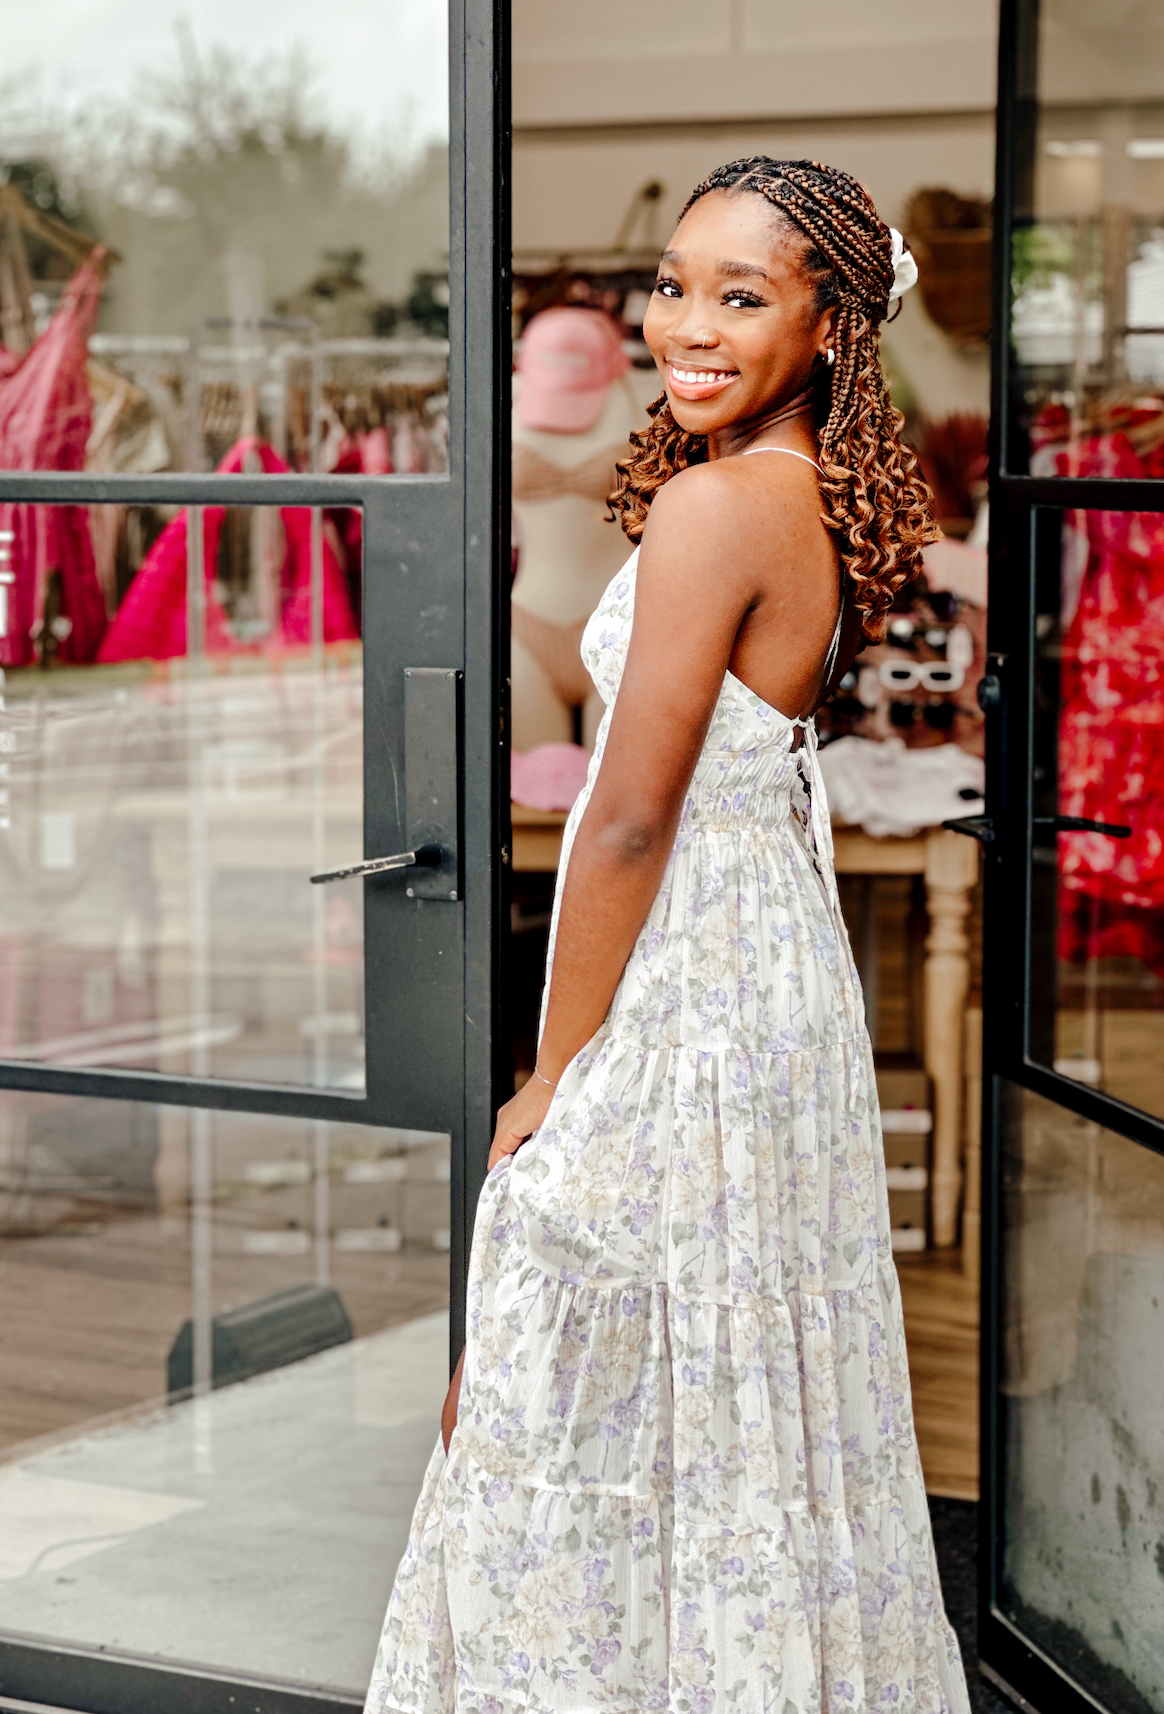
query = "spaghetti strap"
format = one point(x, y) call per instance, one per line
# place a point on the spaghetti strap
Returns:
point(786, 449)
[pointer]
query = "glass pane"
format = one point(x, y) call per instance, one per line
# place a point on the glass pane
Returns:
point(1098, 920)
point(180, 750)
point(254, 1527)
point(269, 194)
point(1088, 248)
point(1083, 1295)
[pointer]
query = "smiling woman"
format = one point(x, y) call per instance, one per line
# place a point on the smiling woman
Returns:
point(820, 275)
point(679, 1468)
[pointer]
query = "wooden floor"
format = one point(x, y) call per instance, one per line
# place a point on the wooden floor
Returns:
point(87, 1319)
point(941, 1334)
point(87, 1316)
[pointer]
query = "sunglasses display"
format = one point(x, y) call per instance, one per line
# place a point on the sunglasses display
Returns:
point(921, 675)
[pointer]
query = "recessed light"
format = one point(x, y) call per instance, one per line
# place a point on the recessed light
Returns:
point(1146, 148)
point(1075, 147)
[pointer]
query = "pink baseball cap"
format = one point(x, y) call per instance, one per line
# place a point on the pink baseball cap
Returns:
point(568, 358)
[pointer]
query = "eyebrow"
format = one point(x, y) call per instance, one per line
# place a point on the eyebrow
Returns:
point(733, 270)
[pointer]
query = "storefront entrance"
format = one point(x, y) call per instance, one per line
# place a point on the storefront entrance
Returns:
point(1072, 1557)
point(250, 576)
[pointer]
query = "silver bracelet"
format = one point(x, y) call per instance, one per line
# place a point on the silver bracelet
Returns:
point(544, 1080)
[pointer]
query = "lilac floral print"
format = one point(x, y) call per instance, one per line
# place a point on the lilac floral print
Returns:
point(685, 1476)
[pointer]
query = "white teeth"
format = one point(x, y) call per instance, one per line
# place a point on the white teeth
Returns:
point(702, 377)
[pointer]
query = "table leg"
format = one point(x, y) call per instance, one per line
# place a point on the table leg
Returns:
point(951, 870)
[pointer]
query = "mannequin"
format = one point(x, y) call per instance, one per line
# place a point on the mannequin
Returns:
point(575, 405)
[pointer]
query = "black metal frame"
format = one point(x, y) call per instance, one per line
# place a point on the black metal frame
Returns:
point(1019, 511)
point(436, 587)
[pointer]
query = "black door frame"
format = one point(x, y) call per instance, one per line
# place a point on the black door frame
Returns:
point(436, 593)
point(1024, 514)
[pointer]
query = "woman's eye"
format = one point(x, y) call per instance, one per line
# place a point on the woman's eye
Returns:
point(743, 300)
point(668, 288)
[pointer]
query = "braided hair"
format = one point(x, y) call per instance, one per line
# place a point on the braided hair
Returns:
point(876, 502)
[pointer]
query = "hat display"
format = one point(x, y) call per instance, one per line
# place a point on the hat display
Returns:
point(567, 360)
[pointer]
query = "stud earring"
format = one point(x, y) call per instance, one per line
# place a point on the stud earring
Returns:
point(830, 356)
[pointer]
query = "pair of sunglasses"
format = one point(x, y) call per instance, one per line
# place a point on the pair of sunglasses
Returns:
point(921, 675)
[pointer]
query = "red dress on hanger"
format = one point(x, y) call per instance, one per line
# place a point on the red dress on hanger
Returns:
point(45, 417)
point(1111, 723)
point(151, 621)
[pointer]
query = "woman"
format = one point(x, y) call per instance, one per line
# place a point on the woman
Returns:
point(683, 1473)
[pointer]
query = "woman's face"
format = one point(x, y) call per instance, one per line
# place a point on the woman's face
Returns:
point(732, 323)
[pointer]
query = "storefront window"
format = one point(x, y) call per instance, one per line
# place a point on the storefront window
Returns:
point(224, 1346)
point(177, 758)
point(1083, 1272)
point(221, 230)
point(1088, 246)
point(1097, 989)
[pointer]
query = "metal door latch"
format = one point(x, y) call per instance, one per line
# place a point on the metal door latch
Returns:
point(980, 827)
point(425, 857)
point(430, 823)
point(1080, 824)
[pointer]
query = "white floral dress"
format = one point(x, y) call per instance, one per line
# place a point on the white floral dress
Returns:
point(684, 1476)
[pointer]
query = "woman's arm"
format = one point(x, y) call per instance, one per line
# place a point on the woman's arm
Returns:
point(692, 594)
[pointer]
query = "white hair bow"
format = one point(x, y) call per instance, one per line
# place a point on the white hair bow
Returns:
point(904, 266)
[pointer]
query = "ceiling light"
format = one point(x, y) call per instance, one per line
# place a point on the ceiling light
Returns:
point(1070, 149)
point(1146, 148)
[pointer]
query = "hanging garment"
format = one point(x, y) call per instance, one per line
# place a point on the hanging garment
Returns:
point(45, 417)
point(1111, 721)
point(151, 622)
point(684, 1474)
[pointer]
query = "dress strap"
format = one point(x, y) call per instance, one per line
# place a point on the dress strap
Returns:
point(786, 449)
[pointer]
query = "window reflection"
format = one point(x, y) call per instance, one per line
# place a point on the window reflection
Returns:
point(1083, 1280)
point(214, 1528)
point(163, 806)
point(1088, 248)
point(219, 238)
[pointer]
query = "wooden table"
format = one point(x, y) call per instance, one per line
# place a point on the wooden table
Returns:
point(949, 862)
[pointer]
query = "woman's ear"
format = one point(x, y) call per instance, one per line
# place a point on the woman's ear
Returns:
point(826, 329)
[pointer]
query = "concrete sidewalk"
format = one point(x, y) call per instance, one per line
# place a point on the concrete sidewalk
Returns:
point(256, 1531)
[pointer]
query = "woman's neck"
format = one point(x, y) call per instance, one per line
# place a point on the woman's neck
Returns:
point(777, 427)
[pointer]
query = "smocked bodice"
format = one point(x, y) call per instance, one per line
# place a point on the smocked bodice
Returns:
point(749, 885)
point(749, 775)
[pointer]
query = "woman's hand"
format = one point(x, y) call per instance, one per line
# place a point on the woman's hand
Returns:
point(519, 1118)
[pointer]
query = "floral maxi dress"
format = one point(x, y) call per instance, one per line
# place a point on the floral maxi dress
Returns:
point(684, 1476)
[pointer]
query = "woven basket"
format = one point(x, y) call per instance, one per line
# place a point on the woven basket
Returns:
point(954, 272)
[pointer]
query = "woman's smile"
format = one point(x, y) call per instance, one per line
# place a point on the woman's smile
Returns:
point(687, 381)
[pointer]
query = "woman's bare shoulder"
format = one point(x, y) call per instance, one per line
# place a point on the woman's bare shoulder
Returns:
point(729, 511)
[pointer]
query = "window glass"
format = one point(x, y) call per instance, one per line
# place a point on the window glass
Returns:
point(1088, 246)
point(219, 225)
point(224, 1347)
point(1097, 962)
point(181, 748)
point(1083, 1303)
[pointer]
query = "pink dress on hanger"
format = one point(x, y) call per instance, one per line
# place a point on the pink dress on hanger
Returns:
point(46, 415)
point(1111, 722)
point(151, 621)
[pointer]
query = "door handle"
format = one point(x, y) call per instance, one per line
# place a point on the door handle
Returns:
point(980, 827)
point(424, 857)
point(1080, 824)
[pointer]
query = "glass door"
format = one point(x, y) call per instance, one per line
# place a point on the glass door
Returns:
point(252, 824)
point(1073, 1528)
